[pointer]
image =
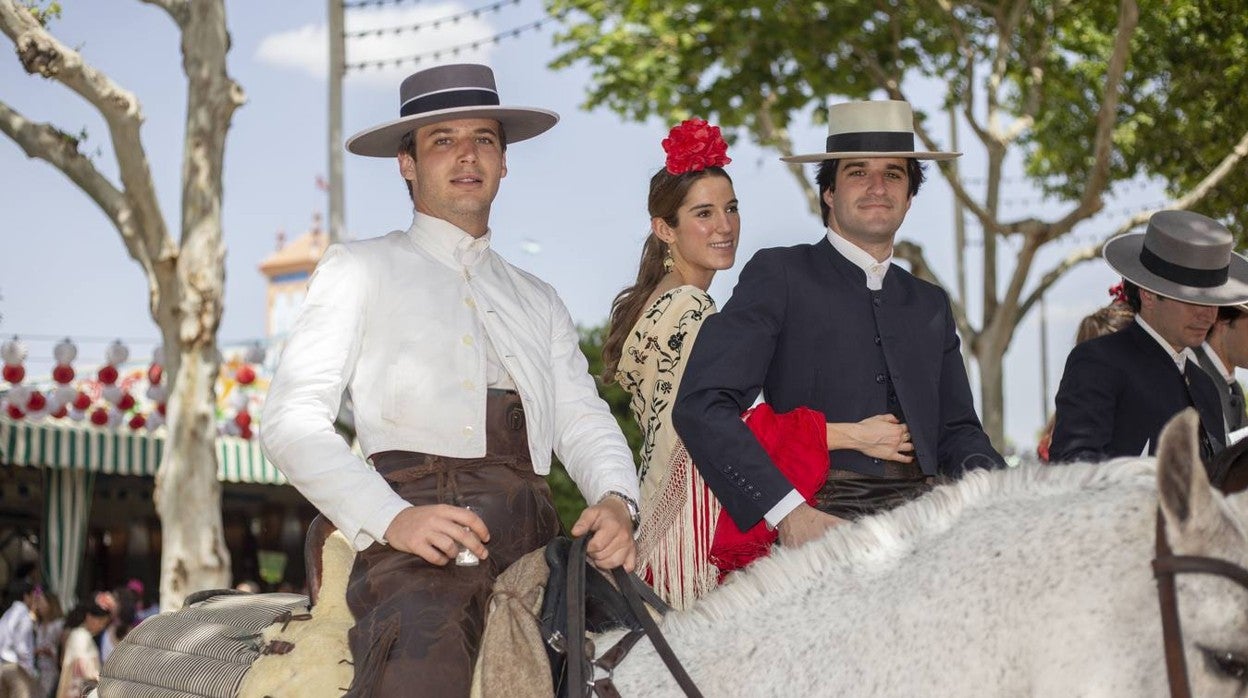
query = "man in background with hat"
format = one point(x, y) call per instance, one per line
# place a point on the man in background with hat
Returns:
point(836, 327)
point(465, 373)
point(1118, 391)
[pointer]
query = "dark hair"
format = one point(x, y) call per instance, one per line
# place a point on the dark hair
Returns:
point(667, 193)
point(1132, 292)
point(1226, 313)
point(825, 179)
point(407, 144)
point(79, 615)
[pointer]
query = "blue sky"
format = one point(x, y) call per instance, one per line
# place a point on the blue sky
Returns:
point(571, 210)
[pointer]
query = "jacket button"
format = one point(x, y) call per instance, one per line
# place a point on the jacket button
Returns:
point(876, 301)
point(878, 341)
point(756, 496)
point(879, 378)
point(875, 461)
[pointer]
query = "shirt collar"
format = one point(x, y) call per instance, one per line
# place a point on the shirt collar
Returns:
point(1216, 360)
point(1179, 358)
point(875, 270)
point(447, 242)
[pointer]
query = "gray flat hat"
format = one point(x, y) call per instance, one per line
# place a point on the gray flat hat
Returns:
point(875, 129)
point(1184, 256)
point(443, 93)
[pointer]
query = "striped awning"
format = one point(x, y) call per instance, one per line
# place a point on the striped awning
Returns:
point(71, 445)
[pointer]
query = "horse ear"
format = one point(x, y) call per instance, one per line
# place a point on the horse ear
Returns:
point(1182, 485)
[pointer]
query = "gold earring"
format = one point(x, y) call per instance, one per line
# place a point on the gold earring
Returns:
point(668, 262)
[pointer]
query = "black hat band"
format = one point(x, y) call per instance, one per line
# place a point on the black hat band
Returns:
point(451, 99)
point(871, 142)
point(1179, 274)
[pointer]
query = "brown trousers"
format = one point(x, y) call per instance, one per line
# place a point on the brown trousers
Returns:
point(418, 625)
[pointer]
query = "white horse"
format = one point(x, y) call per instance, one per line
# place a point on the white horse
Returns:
point(1028, 582)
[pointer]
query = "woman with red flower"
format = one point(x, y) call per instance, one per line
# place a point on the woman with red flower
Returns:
point(694, 226)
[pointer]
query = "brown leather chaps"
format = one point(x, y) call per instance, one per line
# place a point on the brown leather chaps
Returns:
point(418, 625)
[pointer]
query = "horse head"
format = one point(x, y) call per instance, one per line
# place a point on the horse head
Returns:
point(1201, 523)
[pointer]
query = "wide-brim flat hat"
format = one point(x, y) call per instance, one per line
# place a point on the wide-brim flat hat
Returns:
point(875, 129)
point(443, 93)
point(1184, 256)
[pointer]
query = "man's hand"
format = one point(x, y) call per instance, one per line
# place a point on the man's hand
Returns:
point(435, 532)
point(612, 527)
point(805, 524)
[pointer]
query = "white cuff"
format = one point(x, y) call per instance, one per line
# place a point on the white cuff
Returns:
point(783, 508)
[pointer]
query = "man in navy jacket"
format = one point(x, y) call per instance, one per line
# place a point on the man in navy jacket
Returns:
point(836, 327)
point(1118, 391)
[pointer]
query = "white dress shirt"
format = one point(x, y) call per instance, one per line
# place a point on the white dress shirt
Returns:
point(405, 322)
point(875, 271)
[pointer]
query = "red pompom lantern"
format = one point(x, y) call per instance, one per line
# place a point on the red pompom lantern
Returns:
point(13, 373)
point(81, 401)
point(125, 402)
point(63, 373)
point(36, 402)
point(161, 409)
point(138, 421)
point(245, 433)
point(59, 413)
point(154, 373)
point(107, 375)
point(15, 412)
point(243, 420)
point(99, 416)
point(245, 375)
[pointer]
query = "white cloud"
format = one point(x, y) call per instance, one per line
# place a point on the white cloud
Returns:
point(306, 48)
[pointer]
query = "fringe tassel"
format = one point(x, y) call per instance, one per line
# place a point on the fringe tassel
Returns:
point(677, 559)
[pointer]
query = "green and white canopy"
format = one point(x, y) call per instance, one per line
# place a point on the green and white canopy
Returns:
point(68, 445)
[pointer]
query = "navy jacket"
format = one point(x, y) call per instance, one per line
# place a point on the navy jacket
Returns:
point(1118, 391)
point(803, 327)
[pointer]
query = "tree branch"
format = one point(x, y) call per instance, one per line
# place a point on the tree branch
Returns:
point(41, 53)
point(1098, 179)
point(1075, 258)
point(766, 133)
point(179, 10)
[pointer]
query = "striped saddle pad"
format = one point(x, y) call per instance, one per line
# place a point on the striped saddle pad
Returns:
point(201, 651)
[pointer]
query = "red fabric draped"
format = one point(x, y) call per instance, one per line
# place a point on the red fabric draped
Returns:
point(797, 442)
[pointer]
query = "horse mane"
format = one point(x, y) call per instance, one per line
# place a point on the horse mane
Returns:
point(879, 542)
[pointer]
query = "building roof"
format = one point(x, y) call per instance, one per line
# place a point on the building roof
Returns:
point(300, 255)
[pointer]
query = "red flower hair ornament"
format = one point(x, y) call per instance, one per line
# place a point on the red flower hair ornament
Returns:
point(694, 145)
point(1118, 294)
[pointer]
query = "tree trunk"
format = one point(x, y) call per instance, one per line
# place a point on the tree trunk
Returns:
point(990, 361)
point(188, 495)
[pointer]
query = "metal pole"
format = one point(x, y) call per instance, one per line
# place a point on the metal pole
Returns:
point(1044, 360)
point(337, 67)
point(959, 234)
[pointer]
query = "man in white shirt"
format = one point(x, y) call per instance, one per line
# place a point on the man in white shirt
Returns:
point(837, 327)
point(465, 374)
point(1119, 390)
point(17, 629)
point(1224, 350)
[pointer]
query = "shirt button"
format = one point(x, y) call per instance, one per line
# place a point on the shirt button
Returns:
point(470, 303)
point(467, 340)
point(879, 378)
point(467, 431)
point(468, 385)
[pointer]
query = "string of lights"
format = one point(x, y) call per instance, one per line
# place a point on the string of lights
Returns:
point(431, 24)
point(416, 59)
point(356, 4)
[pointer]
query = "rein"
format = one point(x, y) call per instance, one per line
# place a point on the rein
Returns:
point(580, 649)
point(1165, 567)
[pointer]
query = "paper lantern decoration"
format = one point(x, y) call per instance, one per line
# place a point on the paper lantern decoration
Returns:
point(99, 416)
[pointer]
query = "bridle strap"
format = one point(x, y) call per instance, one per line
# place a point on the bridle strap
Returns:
point(628, 585)
point(1165, 566)
point(1171, 633)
